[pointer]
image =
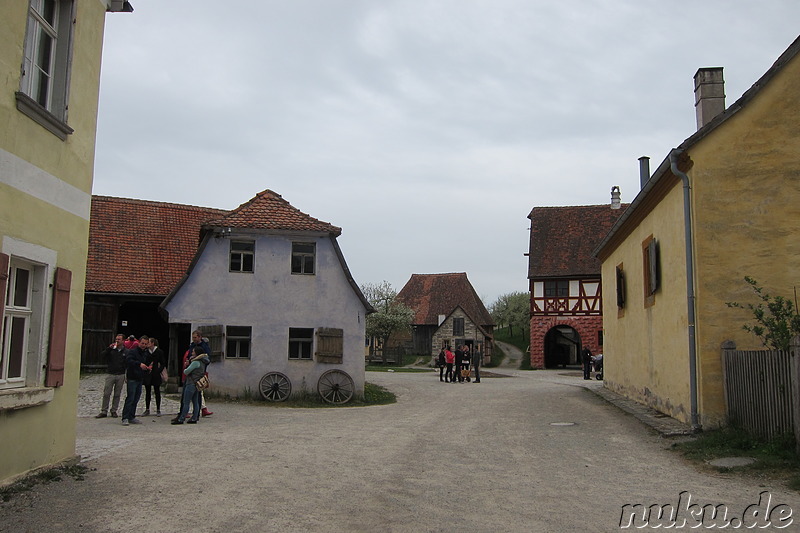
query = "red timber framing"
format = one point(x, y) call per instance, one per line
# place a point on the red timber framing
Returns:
point(577, 297)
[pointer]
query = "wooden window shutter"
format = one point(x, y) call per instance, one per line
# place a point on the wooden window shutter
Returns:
point(330, 345)
point(652, 251)
point(59, 318)
point(215, 335)
point(4, 262)
point(620, 288)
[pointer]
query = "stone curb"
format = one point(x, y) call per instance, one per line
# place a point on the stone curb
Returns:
point(665, 425)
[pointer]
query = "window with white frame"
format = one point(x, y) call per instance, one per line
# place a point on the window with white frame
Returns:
point(46, 64)
point(22, 321)
point(303, 254)
point(301, 341)
point(238, 341)
point(242, 256)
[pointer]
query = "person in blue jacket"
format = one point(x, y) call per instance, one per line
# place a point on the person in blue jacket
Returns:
point(135, 368)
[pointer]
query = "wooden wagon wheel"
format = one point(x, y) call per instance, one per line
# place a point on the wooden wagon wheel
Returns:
point(335, 386)
point(275, 387)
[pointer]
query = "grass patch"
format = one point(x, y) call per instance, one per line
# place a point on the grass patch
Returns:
point(775, 459)
point(42, 477)
point(381, 368)
point(373, 395)
point(520, 338)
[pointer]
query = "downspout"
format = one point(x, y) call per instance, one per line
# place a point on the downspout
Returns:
point(690, 297)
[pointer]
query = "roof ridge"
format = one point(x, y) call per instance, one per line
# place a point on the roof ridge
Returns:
point(154, 203)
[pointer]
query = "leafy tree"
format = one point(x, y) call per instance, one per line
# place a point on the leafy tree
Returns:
point(512, 310)
point(390, 315)
point(777, 318)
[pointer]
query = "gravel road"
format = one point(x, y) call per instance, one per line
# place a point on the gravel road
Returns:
point(533, 452)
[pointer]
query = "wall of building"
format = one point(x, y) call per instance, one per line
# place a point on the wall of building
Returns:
point(272, 300)
point(646, 355)
point(746, 197)
point(587, 327)
point(45, 191)
point(444, 334)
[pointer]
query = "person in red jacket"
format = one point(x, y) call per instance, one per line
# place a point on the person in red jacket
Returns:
point(449, 359)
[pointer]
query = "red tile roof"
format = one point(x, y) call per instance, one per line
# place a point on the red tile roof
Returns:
point(268, 210)
point(141, 247)
point(431, 295)
point(563, 239)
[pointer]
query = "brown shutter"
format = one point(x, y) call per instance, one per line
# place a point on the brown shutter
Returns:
point(4, 262)
point(56, 355)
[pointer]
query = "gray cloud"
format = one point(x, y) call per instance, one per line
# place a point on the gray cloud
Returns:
point(426, 130)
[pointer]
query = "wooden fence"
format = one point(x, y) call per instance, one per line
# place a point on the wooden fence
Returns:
point(762, 389)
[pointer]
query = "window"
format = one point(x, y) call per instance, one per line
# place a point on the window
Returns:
point(303, 257)
point(16, 322)
point(330, 345)
point(23, 309)
point(458, 326)
point(620, 287)
point(556, 288)
point(300, 343)
point(242, 256)
point(46, 64)
point(651, 269)
point(238, 345)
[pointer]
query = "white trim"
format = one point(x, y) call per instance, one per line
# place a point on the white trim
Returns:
point(46, 259)
point(30, 179)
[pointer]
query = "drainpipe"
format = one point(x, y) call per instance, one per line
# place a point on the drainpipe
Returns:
point(687, 221)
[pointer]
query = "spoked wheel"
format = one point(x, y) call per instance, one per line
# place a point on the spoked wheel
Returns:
point(335, 386)
point(275, 387)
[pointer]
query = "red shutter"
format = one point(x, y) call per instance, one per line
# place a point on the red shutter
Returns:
point(4, 261)
point(58, 329)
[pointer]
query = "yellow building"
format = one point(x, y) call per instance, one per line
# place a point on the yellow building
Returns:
point(49, 82)
point(723, 205)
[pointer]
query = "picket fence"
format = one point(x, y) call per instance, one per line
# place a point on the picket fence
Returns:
point(762, 389)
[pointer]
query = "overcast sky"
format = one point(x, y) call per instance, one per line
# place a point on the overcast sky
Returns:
point(427, 130)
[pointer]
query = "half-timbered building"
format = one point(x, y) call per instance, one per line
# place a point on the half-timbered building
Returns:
point(564, 278)
point(447, 312)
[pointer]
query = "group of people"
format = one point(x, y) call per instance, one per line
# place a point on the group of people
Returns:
point(455, 367)
point(139, 363)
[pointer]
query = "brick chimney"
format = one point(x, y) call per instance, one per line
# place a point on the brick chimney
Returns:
point(709, 94)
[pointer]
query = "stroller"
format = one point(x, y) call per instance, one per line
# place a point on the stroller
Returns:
point(597, 360)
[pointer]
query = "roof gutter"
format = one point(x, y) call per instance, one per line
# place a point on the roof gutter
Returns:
point(690, 297)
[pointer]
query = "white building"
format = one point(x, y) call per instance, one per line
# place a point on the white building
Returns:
point(270, 288)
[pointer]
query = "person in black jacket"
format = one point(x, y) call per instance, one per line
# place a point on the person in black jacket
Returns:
point(115, 379)
point(586, 356)
point(156, 362)
point(135, 369)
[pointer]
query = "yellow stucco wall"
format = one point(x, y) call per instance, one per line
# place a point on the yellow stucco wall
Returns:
point(645, 347)
point(746, 187)
point(45, 191)
point(745, 179)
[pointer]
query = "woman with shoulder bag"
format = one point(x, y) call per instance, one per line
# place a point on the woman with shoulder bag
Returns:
point(191, 394)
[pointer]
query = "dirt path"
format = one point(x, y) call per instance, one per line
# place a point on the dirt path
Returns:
point(528, 453)
point(513, 355)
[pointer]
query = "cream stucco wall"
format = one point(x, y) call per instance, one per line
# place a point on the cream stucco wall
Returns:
point(45, 191)
point(746, 195)
point(645, 347)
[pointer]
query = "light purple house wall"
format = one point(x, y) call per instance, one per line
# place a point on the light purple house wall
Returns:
point(221, 289)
